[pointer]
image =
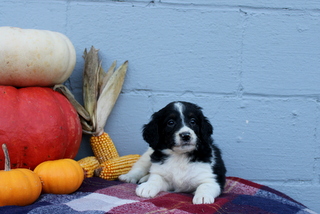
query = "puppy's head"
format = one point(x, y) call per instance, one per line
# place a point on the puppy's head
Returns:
point(179, 126)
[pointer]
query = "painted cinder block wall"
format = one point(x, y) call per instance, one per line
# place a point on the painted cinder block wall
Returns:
point(252, 65)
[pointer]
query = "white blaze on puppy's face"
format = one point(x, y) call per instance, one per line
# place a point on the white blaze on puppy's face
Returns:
point(185, 138)
point(179, 107)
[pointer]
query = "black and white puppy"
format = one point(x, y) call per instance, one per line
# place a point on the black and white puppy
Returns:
point(181, 156)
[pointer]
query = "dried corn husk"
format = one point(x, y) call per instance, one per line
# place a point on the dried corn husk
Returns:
point(104, 77)
point(109, 96)
point(100, 92)
point(90, 82)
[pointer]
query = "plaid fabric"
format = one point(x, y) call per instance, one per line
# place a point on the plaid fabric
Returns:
point(98, 196)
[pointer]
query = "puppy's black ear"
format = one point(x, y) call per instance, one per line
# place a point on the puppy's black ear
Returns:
point(206, 128)
point(150, 132)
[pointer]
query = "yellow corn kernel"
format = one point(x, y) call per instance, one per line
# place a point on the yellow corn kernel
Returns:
point(103, 147)
point(89, 164)
point(113, 168)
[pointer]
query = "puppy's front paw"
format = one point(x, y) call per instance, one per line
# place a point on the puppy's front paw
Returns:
point(147, 190)
point(129, 178)
point(203, 199)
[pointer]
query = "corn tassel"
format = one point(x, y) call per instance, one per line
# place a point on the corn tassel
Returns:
point(103, 147)
point(112, 169)
point(89, 164)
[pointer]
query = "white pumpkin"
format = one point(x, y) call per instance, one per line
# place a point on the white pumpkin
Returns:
point(30, 57)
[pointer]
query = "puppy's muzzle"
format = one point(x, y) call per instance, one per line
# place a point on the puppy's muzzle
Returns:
point(185, 136)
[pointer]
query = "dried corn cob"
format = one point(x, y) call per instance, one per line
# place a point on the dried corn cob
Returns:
point(89, 164)
point(113, 168)
point(103, 147)
point(100, 92)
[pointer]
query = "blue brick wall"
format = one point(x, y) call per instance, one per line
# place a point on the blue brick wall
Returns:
point(252, 65)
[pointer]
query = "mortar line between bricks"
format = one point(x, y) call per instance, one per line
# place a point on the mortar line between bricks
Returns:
point(316, 171)
point(306, 96)
point(192, 5)
point(284, 182)
point(244, 20)
point(316, 167)
point(236, 7)
point(149, 92)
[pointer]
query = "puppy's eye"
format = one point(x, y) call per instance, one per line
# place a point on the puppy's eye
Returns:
point(193, 121)
point(171, 123)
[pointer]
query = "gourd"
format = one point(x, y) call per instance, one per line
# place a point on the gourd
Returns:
point(30, 57)
point(62, 176)
point(18, 186)
point(37, 124)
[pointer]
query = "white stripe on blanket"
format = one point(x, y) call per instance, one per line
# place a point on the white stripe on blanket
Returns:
point(96, 201)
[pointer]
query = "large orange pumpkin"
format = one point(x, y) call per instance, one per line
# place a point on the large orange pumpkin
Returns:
point(37, 124)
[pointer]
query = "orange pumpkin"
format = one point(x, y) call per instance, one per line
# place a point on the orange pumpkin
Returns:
point(62, 176)
point(37, 124)
point(18, 186)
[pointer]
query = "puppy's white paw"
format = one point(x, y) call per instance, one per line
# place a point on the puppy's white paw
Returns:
point(147, 190)
point(203, 199)
point(129, 178)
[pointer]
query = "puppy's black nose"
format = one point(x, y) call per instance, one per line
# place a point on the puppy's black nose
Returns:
point(185, 136)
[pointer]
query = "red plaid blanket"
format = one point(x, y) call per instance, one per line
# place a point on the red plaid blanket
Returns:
point(98, 196)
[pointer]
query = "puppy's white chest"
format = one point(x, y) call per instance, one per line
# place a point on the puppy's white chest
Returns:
point(179, 173)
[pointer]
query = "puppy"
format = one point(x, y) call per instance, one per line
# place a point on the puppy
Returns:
point(181, 155)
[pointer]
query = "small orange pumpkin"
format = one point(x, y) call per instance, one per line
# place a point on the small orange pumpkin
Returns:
point(61, 176)
point(18, 186)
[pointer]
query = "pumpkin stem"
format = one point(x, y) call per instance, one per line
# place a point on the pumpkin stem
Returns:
point(7, 158)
